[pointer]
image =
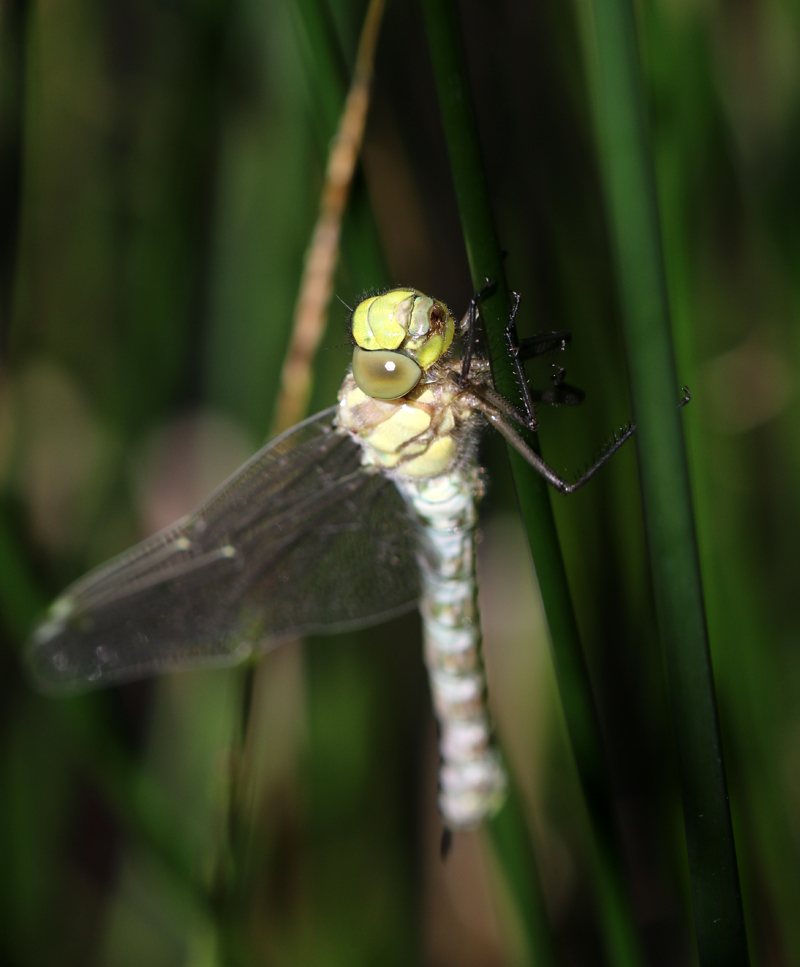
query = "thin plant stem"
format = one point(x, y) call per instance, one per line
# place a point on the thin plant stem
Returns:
point(619, 105)
point(316, 285)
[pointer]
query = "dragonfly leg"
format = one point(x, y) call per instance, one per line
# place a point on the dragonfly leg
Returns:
point(489, 395)
point(502, 414)
point(543, 342)
point(498, 418)
point(470, 320)
point(519, 350)
point(500, 422)
point(514, 350)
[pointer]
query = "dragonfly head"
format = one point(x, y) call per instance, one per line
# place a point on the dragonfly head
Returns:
point(398, 335)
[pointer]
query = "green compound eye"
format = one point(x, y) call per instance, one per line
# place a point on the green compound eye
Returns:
point(384, 375)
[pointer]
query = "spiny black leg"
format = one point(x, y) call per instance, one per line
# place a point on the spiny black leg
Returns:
point(612, 448)
point(507, 429)
point(527, 349)
point(514, 349)
point(538, 345)
point(608, 452)
point(472, 327)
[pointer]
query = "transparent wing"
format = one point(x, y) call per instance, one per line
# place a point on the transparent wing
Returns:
point(302, 539)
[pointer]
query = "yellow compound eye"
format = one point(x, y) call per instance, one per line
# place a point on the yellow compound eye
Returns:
point(384, 375)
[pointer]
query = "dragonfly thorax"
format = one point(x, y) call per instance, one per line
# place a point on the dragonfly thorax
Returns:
point(422, 435)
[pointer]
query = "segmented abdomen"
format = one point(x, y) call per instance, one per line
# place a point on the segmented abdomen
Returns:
point(472, 780)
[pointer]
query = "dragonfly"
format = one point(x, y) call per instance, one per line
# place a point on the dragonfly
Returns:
point(360, 513)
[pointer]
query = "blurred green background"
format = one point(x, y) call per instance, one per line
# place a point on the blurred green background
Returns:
point(160, 169)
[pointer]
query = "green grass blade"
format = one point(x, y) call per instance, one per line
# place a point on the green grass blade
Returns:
point(514, 851)
point(486, 261)
point(630, 190)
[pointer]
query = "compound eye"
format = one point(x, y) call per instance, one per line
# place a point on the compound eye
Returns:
point(384, 375)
